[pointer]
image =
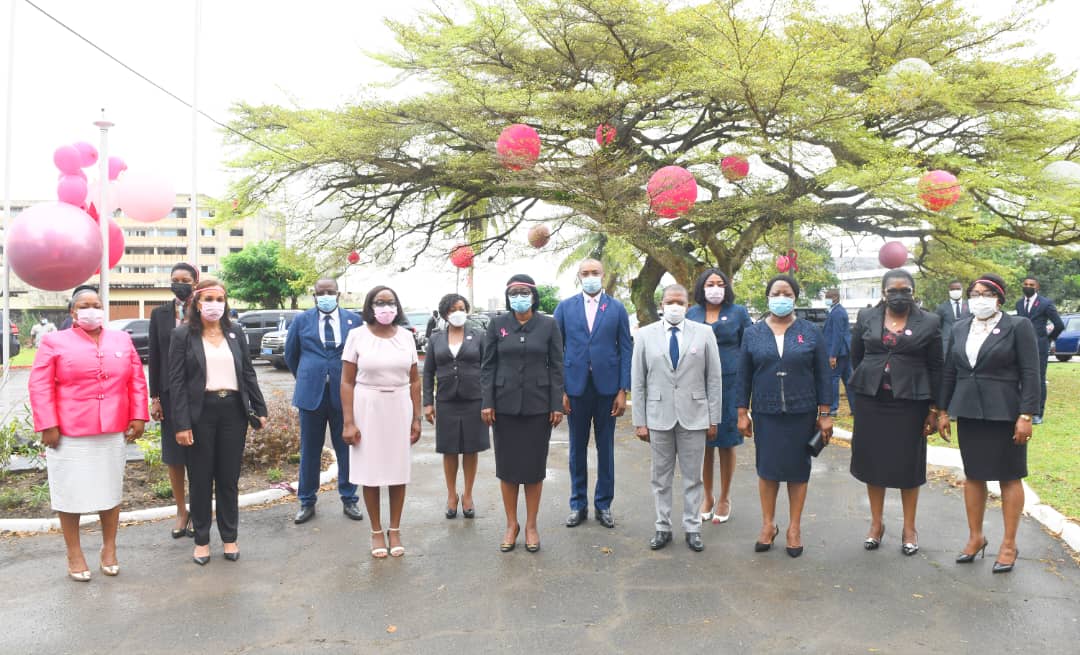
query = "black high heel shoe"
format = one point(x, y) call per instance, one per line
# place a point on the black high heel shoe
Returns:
point(201, 561)
point(508, 546)
point(451, 512)
point(874, 544)
point(186, 531)
point(966, 558)
point(1005, 568)
point(761, 547)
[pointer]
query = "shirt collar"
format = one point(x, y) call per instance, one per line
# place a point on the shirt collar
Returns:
point(594, 299)
point(668, 326)
point(333, 316)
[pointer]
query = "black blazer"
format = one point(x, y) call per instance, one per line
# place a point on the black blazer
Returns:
point(1005, 380)
point(162, 324)
point(915, 364)
point(458, 377)
point(187, 375)
point(522, 370)
point(948, 319)
point(1042, 312)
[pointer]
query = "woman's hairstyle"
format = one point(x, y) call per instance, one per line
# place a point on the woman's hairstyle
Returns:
point(192, 314)
point(184, 266)
point(448, 301)
point(80, 290)
point(992, 282)
point(699, 287)
point(782, 278)
point(369, 306)
point(897, 273)
point(527, 280)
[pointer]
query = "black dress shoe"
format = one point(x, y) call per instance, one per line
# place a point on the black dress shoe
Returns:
point(605, 518)
point(577, 518)
point(232, 557)
point(306, 513)
point(693, 540)
point(659, 540)
point(352, 510)
point(761, 547)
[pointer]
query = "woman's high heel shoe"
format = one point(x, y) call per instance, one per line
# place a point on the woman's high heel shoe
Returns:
point(968, 558)
point(381, 551)
point(80, 576)
point(911, 547)
point(508, 546)
point(111, 571)
point(185, 531)
point(451, 512)
point(761, 547)
point(1005, 568)
point(872, 543)
point(395, 551)
point(719, 518)
point(201, 561)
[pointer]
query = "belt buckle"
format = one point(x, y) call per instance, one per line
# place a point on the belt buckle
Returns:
point(222, 393)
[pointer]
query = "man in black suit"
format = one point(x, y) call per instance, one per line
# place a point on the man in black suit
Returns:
point(1044, 317)
point(952, 310)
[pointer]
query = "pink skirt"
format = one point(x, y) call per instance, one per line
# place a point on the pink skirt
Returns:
point(383, 456)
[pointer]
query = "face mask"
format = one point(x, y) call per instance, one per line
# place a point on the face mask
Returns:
point(828, 302)
point(1029, 292)
point(213, 310)
point(385, 315)
point(182, 290)
point(781, 305)
point(457, 319)
point(674, 314)
point(954, 294)
point(899, 304)
point(982, 308)
point(326, 304)
point(90, 318)
point(714, 295)
point(521, 304)
point(591, 284)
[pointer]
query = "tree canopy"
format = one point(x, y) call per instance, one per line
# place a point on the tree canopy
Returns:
point(267, 274)
point(834, 138)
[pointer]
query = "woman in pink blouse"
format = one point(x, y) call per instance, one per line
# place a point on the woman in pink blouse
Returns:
point(88, 395)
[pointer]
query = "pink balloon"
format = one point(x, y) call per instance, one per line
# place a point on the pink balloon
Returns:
point(67, 159)
point(892, 255)
point(116, 245)
point(77, 173)
point(116, 167)
point(939, 189)
point(54, 246)
point(145, 197)
point(672, 191)
point(88, 154)
point(734, 168)
point(783, 263)
point(71, 189)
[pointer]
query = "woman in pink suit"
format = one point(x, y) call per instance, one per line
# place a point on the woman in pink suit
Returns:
point(88, 395)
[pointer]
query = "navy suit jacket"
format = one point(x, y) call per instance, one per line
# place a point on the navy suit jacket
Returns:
point(1042, 311)
point(796, 383)
point(606, 351)
point(837, 332)
point(311, 362)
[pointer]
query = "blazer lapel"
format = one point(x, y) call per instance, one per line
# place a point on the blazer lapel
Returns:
point(877, 323)
point(996, 336)
point(664, 340)
point(238, 356)
point(196, 346)
point(959, 345)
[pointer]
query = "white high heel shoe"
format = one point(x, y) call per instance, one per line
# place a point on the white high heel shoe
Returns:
point(719, 518)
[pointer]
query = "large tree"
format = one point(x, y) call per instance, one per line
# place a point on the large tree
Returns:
point(835, 138)
point(266, 273)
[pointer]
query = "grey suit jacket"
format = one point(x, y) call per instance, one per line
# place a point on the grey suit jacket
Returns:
point(689, 395)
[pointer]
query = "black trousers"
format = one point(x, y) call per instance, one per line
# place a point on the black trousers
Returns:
point(213, 464)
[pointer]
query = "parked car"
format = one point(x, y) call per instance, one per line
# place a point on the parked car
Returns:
point(260, 321)
point(418, 324)
point(272, 348)
point(816, 315)
point(13, 333)
point(1067, 345)
point(139, 329)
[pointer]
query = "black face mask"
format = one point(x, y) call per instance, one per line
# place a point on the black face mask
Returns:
point(1029, 292)
point(182, 290)
point(900, 304)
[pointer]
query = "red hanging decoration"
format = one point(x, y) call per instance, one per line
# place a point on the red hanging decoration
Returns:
point(462, 256)
point(734, 168)
point(672, 191)
point(518, 147)
point(938, 190)
point(605, 134)
point(353, 257)
point(539, 235)
point(793, 258)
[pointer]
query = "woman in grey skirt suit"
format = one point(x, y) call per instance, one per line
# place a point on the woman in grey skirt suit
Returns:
point(452, 399)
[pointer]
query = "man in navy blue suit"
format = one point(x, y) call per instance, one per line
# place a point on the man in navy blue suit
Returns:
point(313, 353)
point(838, 342)
point(596, 367)
point(1044, 317)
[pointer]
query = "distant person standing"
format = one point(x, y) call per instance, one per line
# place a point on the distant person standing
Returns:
point(40, 329)
point(952, 310)
point(597, 350)
point(1044, 317)
point(838, 344)
point(432, 324)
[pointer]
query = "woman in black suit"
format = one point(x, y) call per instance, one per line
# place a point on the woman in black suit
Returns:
point(163, 320)
point(897, 359)
point(522, 382)
point(453, 360)
point(213, 389)
point(991, 386)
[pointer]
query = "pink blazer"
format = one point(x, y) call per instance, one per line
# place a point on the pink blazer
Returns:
point(86, 388)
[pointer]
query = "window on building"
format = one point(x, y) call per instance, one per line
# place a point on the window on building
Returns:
point(179, 212)
point(172, 251)
point(208, 250)
point(206, 213)
point(207, 232)
point(233, 250)
point(137, 233)
point(139, 250)
point(182, 232)
point(204, 268)
point(236, 232)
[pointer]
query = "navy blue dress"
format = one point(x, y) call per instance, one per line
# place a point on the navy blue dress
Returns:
point(783, 394)
point(728, 328)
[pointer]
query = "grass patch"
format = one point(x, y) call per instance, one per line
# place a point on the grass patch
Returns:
point(24, 358)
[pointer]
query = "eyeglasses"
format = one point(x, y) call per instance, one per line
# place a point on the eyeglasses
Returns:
point(384, 303)
point(982, 294)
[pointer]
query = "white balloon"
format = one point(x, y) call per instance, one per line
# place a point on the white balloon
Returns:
point(111, 198)
point(1063, 172)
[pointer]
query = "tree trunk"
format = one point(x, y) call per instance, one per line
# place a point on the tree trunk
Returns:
point(643, 288)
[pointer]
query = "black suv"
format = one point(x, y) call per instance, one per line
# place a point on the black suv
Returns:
point(260, 321)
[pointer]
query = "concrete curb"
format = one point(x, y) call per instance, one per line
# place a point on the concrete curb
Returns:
point(155, 513)
point(1051, 519)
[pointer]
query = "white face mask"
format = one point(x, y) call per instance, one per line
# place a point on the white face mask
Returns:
point(674, 314)
point(457, 319)
point(955, 293)
point(982, 308)
point(714, 295)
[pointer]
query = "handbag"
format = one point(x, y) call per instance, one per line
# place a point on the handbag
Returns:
point(253, 420)
point(816, 444)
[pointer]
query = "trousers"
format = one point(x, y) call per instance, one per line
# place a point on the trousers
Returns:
point(213, 466)
point(688, 446)
point(313, 425)
point(591, 410)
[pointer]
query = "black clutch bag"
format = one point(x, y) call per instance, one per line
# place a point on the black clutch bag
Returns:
point(253, 420)
point(816, 444)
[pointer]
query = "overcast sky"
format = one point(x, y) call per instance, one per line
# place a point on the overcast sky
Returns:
point(310, 53)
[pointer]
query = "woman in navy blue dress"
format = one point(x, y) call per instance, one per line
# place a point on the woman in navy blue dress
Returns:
point(784, 372)
point(716, 308)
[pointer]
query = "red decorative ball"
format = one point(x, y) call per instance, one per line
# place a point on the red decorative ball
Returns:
point(518, 147)
point(462, 256)
point(539, 235)
point(783, 264)
point(354, 257)
point(734, 168)
point(892, 255)
point(605, 134)
point(672, 191)
point(938, 190)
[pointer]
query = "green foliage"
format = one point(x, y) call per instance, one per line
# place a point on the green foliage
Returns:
point(17, 437)
point(39, 494)
point(151, 452)
point(162, 489)
point(11, 498)
point(549, 298)
point(815, 272)
point(265, 274)
point(274, 475)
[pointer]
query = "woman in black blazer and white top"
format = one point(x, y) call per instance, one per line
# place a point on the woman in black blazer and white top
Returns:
point(991, 386)
point(213, 385)
point(452, 378)
point(896, 352)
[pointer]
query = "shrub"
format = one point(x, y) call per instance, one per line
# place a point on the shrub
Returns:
point(39, 494)
point(275, 475)
point(162, 489)
point(151, 452)
point(11, 498)
point(273, 445)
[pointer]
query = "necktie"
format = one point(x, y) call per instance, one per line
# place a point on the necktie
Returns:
point(328, 334)
point(957, 303)
point(673, 347)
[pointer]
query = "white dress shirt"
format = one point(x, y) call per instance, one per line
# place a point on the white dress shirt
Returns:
point(335, 324)
point(592, 304)
point(678, 335)
point(978, 333)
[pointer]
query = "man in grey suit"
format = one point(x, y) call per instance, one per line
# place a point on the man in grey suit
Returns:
point(676, 389)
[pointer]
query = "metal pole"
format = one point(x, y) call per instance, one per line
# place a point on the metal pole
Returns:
point(104, 211)
point(193, 220)
point(7, 193)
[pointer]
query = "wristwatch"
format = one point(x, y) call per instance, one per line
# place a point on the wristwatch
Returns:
point(823, 414)
point(1025, 417)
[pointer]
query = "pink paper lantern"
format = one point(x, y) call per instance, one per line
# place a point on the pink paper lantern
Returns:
point(67, 159)
point(518, 147)
point(605, 134)
point(54, 246)
point(145, 197)
point(893, 255)
point(783, 264)
point(462, 256)
point(116, 167)
point(734, 168)
point(539, 235)
point(88, 154)
point(938, 190)
point(353, 258)
point(672, 191)
point(71, 189)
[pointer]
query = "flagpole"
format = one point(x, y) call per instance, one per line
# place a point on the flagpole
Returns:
point(7, 193)
point(193, 220)
point(104, 211)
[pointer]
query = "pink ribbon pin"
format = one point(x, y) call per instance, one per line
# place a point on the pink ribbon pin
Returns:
point(503, 332)
point(603, 307)
point(800, 339)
